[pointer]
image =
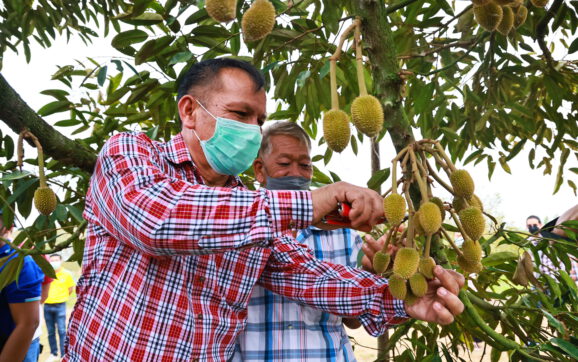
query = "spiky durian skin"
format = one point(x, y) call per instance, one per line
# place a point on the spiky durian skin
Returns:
point(462, 183)
point(520, 17)
point(507, 22)
point(426, 267)
point(504, 2)
point(394, 208)
point(336, 129)
point(469, 266)
point(418, 285)
point(488, 16)
point(221, 10)
point(410, 298)
point(367, 115)
point(473, 222)
point(539, 3)
point(380, 262)
point(44, 200)
point(459, 203)
point(440, 204)
point(418, 228)
point(406, 262)
point(472, 250)
point(430, 217)
point(397, 286)
point(480, 2)
point(258, 21)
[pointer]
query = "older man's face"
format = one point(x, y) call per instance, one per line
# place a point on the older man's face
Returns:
point(288, 157)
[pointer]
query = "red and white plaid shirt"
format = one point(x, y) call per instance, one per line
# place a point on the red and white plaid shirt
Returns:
point(169, 263)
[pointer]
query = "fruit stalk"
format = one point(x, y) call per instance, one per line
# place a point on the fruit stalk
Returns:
point(459, 225)
point(453, 245)
point(418, 177)
point(333, 79)
point(359, 58)
point(445, 156)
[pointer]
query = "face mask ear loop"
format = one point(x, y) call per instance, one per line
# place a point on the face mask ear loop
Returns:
point(203, 107)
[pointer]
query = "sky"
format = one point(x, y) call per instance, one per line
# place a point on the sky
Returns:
point(510, 197)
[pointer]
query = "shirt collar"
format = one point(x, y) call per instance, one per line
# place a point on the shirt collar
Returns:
point(176, 150)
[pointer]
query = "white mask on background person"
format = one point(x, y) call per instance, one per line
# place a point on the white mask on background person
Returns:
point(55, 264)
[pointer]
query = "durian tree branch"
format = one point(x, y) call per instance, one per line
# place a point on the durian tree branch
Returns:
point(541, 31)
point(444, 26)
point(395, 7)
point(19, 116)
point(464, 44)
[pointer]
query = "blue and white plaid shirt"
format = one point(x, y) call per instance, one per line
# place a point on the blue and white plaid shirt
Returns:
point(280, 329)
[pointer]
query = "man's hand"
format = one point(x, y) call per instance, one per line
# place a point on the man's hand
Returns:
point(366, 205)
point(441, 303)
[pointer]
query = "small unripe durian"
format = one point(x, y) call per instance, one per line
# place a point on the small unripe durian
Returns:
point(430, 217)
point(473, 222)
point(44, 200)
point(469, 266)
point(472, 250)
point(394, 208)
point(406, 262)
point(459, 203)
point(418, 228)
point(520, 17)
point(480, 2)
point(367, 115)
point(410, 298)
point(336, 129)
point(462, 183)
point(488, 16)
point(222, 11)
point(397, 286)
point(418, 285)
point(504, 2)
point(507, 21)
point(436, 200)
point(426, 267)
point(539, 3)
point(258, 21)
point(380, 262)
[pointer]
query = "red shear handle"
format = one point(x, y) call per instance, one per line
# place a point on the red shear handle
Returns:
point(340, 216)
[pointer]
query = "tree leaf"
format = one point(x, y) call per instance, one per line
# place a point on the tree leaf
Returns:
point(47, 269)
point(568, 347)
point(129, 37)
point(378, 178)
point(15, 175)
point(101, 76)
point(54, 107)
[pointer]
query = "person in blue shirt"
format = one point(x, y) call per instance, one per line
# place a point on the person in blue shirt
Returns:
point(19, 305)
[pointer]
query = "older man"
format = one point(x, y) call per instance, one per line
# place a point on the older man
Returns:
point(175, 243)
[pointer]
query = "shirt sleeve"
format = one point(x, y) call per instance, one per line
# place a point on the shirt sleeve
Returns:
point(134, 199)
point(69, 280)
point(28, 287)
point(337, 289)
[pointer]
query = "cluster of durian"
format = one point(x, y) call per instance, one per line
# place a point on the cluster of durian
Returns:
point(502, 15)
point(258, 21)
point(366, 111)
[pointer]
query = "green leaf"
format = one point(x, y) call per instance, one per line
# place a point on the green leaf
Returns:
point(504, 164)
point(499, 258)
point(15, 175)
point(127, 38)
point(320, 178)
point(75, 212)
point(573, 47)
point(181, 57)
point(378, 178)
point(144, 19)
point(566, 346)
point(101, 76)
point(554, 322)
point(44, 265)
point(54, 107)
point(11, 270)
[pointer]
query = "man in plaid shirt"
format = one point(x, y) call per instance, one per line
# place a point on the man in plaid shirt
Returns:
point(175, 243)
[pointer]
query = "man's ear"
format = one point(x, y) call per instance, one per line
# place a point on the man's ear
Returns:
point(259, 168)
point(187, 106)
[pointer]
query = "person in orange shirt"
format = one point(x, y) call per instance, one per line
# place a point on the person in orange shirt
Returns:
point(55, 306)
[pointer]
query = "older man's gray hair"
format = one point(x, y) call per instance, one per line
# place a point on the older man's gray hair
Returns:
point(286, 128)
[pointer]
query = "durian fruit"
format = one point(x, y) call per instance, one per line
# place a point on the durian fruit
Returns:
point(336, 129)
point(258, 21)
point(440, 204)
point(520, 274)
point(459, 203)
point(469, 266)
point(520, 17)
point(473, 222)
point(380, 262)
point(504, 2)
point(410, 298)
point(462, 183)
point(222, 11)
point(406, 262)
point(480, 2)
point(426, 267)
point(418, 228)
point(394, 208)
point(367, 115)
point(44, 200)
point(430, 217)
point(539, 3)
point(472, 250)
point(418, 285)
point(507, 22)
point(397, 286)
point(488, 16)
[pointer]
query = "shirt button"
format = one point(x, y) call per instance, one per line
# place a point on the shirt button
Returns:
point(200, 316)
point(291, 224)
point(202, 279)
point(290, 326)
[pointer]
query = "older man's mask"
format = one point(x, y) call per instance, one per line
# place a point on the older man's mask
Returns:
point(288, 183)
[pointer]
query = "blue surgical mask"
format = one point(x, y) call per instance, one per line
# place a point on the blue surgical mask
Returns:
point(233, 147)
point(288, 183)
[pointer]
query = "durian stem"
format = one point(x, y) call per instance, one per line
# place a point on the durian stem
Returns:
point(424, 175)
point(443, 153)
point(459, 225)
point(359, 58)
point(20, 149)
point(41, 174)
point(344, 36)
point(417, 177)
point(453, 245)
point(394, 170)
point(436, 177)
point(440, 161)
point(427, 246)
point(333, 80)
point(411, 230)
point(387, 239)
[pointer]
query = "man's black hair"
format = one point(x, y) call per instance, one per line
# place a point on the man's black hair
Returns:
point(206, 72)
point(58, 255)
point(534, 217)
